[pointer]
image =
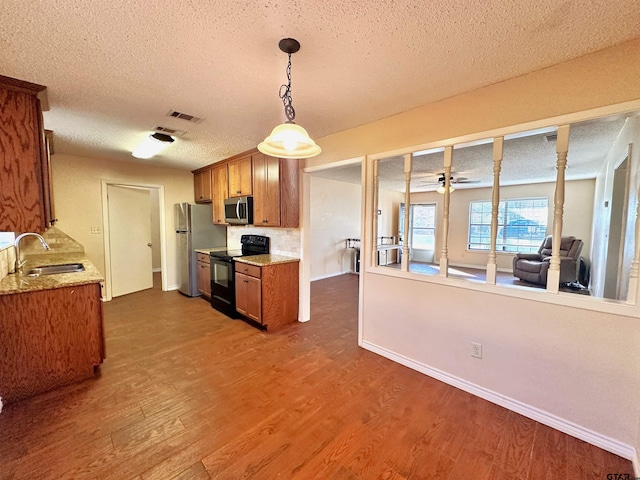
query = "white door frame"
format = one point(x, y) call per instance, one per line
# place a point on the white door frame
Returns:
point(105, 230)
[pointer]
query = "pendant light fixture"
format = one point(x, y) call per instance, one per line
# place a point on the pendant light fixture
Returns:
point(152, 145)
point(289, 140)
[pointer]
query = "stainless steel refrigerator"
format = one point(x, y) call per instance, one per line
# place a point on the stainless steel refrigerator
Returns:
point(195, 229)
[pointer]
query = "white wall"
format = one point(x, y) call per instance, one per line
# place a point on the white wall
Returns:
point(155, 229)
point(78, 199)
point(576, 365)
point(335, 216)
point(389, 205)
point(580, 367)
point(578, 212)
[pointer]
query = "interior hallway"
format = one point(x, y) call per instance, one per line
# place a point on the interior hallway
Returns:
point(185, 392)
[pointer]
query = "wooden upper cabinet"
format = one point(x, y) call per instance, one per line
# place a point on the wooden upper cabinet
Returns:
point(240, 177)
point(25, 193)
point(266, 190)
point(202, 186)
point(275, 191)
point(220, 192)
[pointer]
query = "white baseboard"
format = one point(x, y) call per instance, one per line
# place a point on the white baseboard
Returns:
point(172, 287)
point(546, 418)
point(322, 277)
point(156, 270)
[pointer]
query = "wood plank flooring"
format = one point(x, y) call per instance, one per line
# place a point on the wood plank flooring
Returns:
point(187, 393)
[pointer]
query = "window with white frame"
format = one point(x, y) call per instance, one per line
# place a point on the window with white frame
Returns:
point(522, 224)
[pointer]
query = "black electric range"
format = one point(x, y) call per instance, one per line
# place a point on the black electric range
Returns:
point(223, 290)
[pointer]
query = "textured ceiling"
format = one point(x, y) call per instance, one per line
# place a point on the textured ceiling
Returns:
point(114, 69)
point(528, 157)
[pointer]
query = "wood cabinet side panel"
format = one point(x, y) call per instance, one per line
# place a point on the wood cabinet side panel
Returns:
point(50, 338)
point(21, 203)
point(289, 193)
point(259, 188)
point(280, 294)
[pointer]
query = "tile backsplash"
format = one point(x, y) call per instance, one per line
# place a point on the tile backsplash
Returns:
point(284, 241)
point(7, 259)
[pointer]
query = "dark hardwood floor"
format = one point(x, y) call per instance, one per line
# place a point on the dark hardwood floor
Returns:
point(187, 393)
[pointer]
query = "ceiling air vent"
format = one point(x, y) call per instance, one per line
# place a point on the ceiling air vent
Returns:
point(169, 131)
point(184, 116)
point(552, 137)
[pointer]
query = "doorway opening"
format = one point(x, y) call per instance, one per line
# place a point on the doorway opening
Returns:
point(134, 243)
point(616, 236)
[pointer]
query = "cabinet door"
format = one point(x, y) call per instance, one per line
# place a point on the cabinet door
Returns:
point(241, 293)
point(240, 177)
point(220, 192)
point(249, 296)
point(204, 279)
point(266, 183)
point(254, 299)
point(202, 186)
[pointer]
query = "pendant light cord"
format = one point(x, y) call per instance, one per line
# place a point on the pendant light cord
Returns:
point(285, 95)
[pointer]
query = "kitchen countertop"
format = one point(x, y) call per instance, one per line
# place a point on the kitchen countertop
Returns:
point(209, 250)
point(264, 260)
point(20, 283)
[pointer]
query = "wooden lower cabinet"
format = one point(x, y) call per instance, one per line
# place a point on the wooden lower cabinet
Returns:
point(49, 338)
point(268, 296)
point(204, 275)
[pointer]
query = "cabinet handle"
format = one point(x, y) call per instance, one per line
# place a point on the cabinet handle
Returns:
point(238, 191)
point(246, 281)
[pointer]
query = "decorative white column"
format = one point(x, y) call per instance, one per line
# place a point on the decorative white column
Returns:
point(562, 148)
point(374, 224)
point(444, 253)
point(492, 264)
point(404, 265)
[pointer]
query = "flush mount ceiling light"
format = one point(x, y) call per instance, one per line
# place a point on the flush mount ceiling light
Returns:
point(152, 145)
point(289, 140)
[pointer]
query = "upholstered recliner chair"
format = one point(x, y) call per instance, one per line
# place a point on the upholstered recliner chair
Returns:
point(534, 267)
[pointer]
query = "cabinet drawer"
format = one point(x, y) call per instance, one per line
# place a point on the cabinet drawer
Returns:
point(250, 270)
point(203, 257)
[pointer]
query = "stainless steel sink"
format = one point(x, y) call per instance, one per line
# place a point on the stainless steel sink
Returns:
point(53, 269)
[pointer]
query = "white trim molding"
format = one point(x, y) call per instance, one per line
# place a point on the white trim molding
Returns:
point(546, 418)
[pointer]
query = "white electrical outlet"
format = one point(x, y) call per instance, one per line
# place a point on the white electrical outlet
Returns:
point(476, 350)
point(95, 230)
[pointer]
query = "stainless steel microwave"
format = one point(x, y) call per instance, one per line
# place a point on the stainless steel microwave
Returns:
point(238, 210)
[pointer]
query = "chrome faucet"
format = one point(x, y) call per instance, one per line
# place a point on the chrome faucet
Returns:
point(20, 263)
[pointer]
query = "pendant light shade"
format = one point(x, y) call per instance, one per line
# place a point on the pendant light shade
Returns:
point(441, 189)
point(289, 140)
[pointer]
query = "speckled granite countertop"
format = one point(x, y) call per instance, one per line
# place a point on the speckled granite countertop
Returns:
point(264, 260)
point(22, 283)
point(209, 250)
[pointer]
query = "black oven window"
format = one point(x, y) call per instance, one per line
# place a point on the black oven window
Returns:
point(220, 273)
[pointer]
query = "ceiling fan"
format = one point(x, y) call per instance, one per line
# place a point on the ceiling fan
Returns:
point(452, 180)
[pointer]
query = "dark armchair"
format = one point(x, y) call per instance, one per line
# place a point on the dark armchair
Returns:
point(534, 267)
